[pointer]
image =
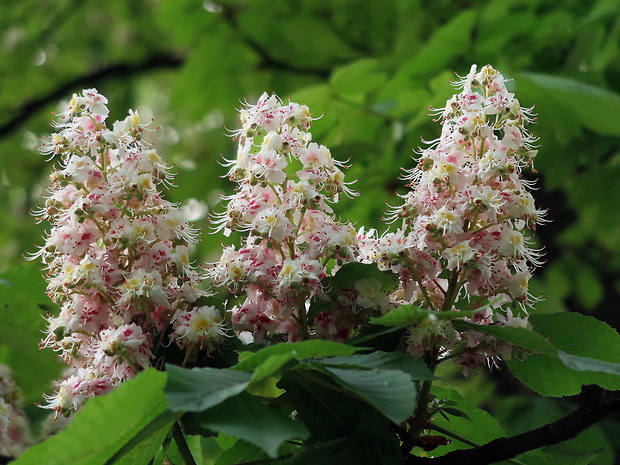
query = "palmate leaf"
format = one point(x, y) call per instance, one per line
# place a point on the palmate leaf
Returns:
point(145, 445)
point(594, 107)
point(341, 423)
point(245, 452)
point(588, 353)
point(22, 299)
point(108, 428)
point(349, 274)
point(414, 367)
point(405, 315)
point(245, 417)
point(241, 452)
point(446, 42)
point(383, 379)
point(375, 335)
point(371, 443)
point(474, 424)
point(563, 454)
point(361, 76)
point(269, 360)
point(346, 279)
point(169, 451)
point(571, 350)
point(327, 411)
point(519, 337)
point(408, 315)
point(197, 389)
point(391, 392)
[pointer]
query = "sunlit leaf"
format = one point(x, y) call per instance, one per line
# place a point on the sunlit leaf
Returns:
point(270, 359)
point(22, 303)
point(593, 107)
point(358, 77)
point(405, 315)
point(105, 425)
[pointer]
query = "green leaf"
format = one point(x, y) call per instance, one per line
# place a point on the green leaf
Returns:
point(327, 410)
point(562, 454)
point(474, 424)
point(316, 453)
point(239, 453)
point(145, 445)
point(455, 412)
point(269, 360)
point(446, 43)
point(584, 343)
point(588, 287)
point(351, 273)
point(245, 417)
point(409, 315)
point(346, 278)
point(405, 315)
point(518, 337)
point(341, 424)
point(547, 345)
point(184, 19)
point(594, 107)
point(169, 453)
point(588, 364)
point(358, 77)
point(200, 388)
point(414, 367)
point(391, 392)
point(22, 301)
point(372, 442)
point(105, 426)
point(221, 66)
point(375, 335)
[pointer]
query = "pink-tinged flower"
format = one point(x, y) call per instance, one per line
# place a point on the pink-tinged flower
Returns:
point(281, 207)
point(466, 218)
point(202, 325)
point(272, 223)
point(117, 253)
point(95, 102)
point(78, 386)
point(120, 352)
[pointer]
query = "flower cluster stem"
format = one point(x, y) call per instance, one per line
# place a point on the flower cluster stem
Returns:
point(421, 414)
point(179, 439)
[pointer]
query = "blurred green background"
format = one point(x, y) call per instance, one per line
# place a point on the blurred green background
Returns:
point(371, 67)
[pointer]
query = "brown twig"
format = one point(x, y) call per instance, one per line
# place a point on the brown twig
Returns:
point(30, 107)
point(596, 403)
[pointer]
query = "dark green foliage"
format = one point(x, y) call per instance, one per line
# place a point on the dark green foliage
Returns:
point(372, 68)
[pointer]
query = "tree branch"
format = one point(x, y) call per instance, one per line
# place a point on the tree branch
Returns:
point(596, 403)
point(28, 108)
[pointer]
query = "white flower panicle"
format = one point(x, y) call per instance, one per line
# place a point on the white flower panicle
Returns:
point(117, 253)
point(463, 235)
point(286, 184)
